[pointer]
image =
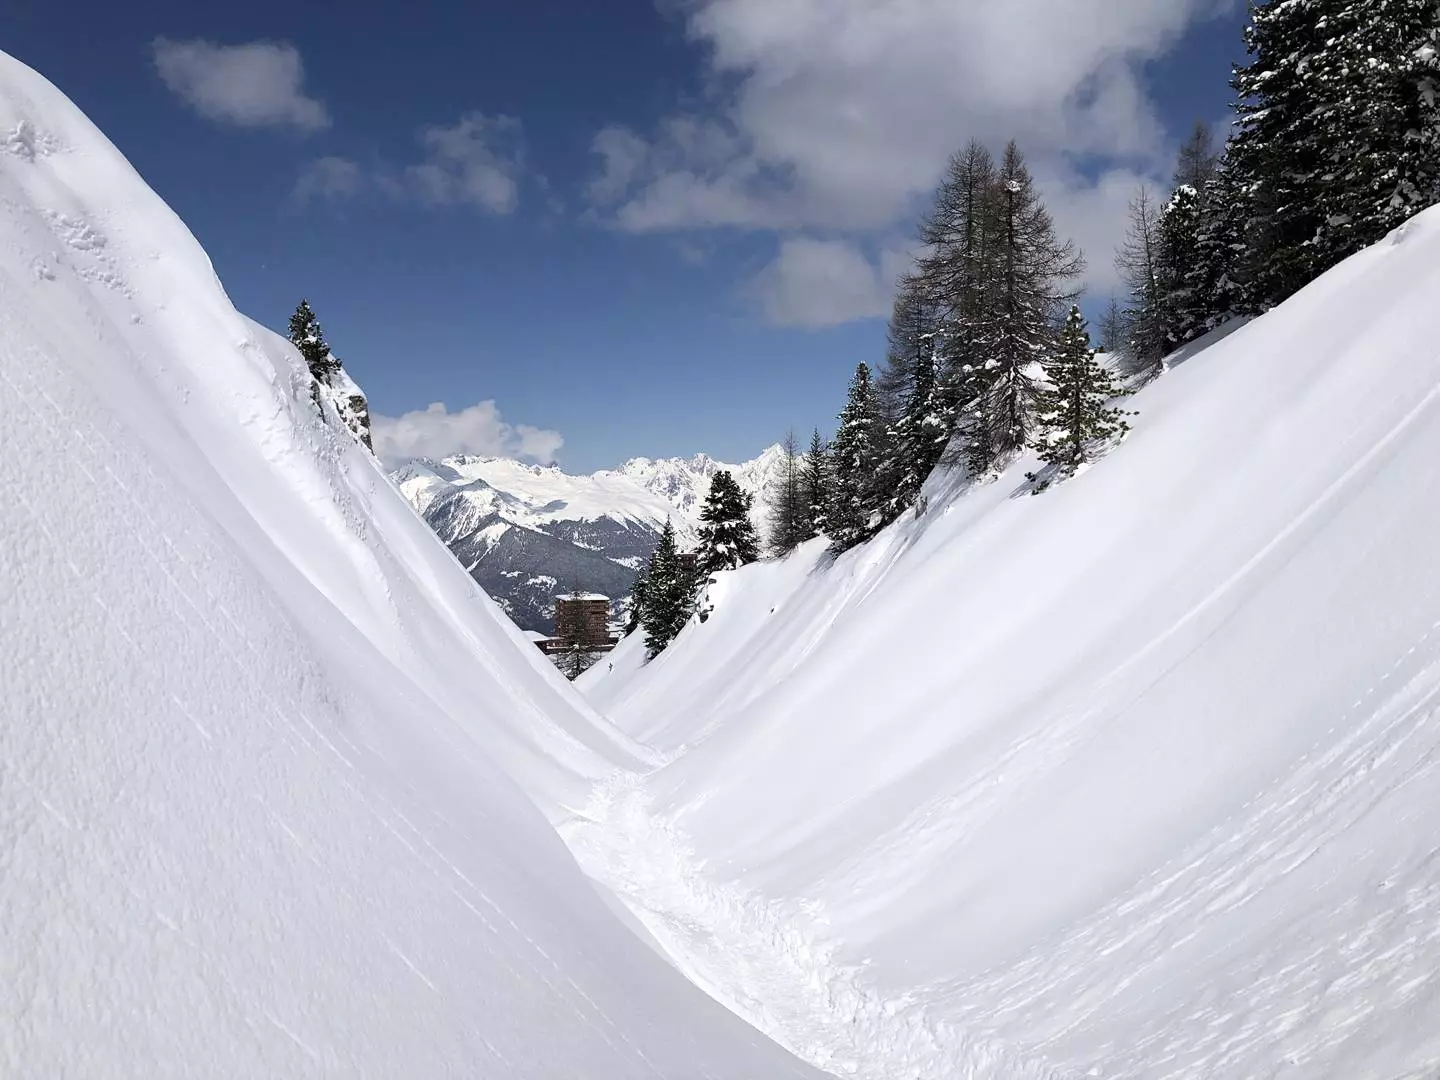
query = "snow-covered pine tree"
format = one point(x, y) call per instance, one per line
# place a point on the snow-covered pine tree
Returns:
point(1034, 269)
point(669, 595)
point(854, 492)
point(789, 514)
point(1217, 281)
point(816, 485)
point(1337, 132)
point(922, 433)
point(727, 535)
point(1380, 117)
point(307, 336)
point(1074, 412)
point(1178, 237)
point(1138, 261)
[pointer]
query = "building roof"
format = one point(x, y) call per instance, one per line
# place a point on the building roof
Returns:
point(584, 596)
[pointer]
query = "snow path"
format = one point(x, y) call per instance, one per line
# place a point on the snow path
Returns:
point(769, 963)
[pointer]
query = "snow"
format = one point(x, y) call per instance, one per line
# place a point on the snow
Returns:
point(276, 779)
point(643, 490)
point(1135, 778)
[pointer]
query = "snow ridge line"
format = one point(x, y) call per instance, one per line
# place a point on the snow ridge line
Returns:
point(772, 967)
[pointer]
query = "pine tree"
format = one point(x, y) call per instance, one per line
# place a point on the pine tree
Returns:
point(1178, 240)
point(307, 336)
point(636, 614)
point(816, 485)
point(727, 535)
point(789, 514)
point(922, 433)
point(854, 495)
point(1336, 136)
point(669, 595)
point(1034, 269)
point(1138, 261)
point(1217, 282)
point(1074, 412)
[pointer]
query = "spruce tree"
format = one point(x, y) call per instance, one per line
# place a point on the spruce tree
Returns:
point(816, 485)
point(1178, 237)
point(1074, 411)
point(1217, 282)
point(1034, 270)
point(669, 594)
point(789, 514)
point(854, 495)
point(636, 614)
point(727, 535)
point(922, 433)
point(307, 336)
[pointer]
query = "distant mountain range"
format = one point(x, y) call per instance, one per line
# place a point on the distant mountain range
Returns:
point(528, 533)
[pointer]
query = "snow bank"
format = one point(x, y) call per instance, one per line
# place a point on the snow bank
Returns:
point(1136, 778)
point(270, 763)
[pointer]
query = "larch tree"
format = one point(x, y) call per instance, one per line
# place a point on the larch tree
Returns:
point(1035, 271)
point(1138, 261)
point(789, 514)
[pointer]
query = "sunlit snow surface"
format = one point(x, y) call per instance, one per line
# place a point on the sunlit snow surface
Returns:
point(1136, 778)
point(274, 775)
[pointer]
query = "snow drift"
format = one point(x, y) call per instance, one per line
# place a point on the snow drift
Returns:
point(1136, 778)
point(270, 763)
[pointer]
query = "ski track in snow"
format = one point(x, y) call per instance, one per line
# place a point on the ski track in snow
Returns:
point(770, 964)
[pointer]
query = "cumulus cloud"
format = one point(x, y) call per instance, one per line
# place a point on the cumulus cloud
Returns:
point(436, 432)
point(837, 116)
point(257, 84)
point(814, 283)
point(478, 161)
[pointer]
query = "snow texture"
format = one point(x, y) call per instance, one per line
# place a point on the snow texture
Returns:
point(1136, 778)
point(274, 774)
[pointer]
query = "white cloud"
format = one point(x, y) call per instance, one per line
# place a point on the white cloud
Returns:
point(478, 161)
point(816, 283)
point(436, 432)
point(838, 116)
point(257, 84)
point(329, 178)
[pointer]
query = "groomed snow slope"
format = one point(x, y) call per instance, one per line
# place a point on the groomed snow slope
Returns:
point(1136, 778)
point(274, 775)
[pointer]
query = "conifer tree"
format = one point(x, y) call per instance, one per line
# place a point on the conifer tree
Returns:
point(854, 497)
point(1034, 269)
point(1074, 412)
point(1114, 332)
point(727, 535)
point(922, 433)
point(789, 514)
point(1138, 261)
point(1217, 282)
point(669, 595)
point(1198, 158)
point(636, 614)
point(816, 485)
point(1178, 238)
point(307, 336)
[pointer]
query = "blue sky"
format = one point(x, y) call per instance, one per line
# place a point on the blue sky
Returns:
point(634, 228)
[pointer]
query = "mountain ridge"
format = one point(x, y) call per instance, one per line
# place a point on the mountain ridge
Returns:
point(527, 532)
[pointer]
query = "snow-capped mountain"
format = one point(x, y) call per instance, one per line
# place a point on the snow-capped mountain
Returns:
point(528, 532)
